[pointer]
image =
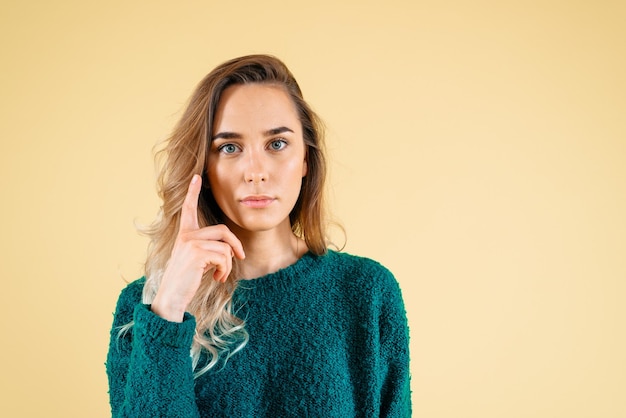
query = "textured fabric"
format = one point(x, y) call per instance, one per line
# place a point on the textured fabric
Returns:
point(328, 338)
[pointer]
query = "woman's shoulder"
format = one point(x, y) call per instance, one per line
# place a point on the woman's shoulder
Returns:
point(365, 281)
point(133, 289)
point(355, 262)
point(361, 270)
point(129, 297)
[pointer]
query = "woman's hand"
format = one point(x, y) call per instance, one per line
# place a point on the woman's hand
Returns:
point(196, 251)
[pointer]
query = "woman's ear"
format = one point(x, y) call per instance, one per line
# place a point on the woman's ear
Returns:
point(305, 166)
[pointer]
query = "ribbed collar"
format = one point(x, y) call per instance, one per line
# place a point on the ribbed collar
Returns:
point(284, 280)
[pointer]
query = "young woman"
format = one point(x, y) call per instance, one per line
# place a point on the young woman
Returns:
point(243, 310)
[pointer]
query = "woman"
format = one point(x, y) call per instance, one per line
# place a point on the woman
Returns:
point(239, 274)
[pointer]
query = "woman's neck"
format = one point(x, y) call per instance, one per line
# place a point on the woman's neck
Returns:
point(269, 251)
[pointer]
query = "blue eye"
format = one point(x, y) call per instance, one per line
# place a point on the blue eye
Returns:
point(228, 148)
point(278, 144)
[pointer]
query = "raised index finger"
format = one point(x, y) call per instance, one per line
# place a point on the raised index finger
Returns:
point(189, 211)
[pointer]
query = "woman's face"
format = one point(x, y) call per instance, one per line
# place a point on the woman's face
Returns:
point(257, 157)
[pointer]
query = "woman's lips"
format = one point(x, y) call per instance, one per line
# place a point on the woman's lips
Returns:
point(257, 202)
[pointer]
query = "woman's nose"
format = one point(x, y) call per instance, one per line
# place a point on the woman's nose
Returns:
point(255, 171)
point(255, 177)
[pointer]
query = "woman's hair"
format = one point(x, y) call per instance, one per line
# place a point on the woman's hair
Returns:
point(220, 333)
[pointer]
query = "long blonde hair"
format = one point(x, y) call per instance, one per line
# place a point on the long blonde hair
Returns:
point(219, 332)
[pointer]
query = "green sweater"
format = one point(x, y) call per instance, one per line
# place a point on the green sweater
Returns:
point(328, 338)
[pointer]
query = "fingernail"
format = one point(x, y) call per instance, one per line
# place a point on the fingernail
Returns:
point(194, 179)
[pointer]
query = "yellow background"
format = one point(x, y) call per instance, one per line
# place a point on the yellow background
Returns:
point(478, 150)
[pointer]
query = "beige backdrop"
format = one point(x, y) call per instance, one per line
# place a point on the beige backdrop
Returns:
point(478, 150)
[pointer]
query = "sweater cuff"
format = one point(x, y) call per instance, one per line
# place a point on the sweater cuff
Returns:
point(152, 326)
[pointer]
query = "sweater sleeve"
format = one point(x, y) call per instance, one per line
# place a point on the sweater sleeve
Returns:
point(149, 367)
point(394, 351)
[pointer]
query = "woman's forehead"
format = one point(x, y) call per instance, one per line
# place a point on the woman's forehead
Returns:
point(254, 107)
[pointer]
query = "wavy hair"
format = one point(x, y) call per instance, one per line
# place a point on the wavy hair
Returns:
point(219, 332)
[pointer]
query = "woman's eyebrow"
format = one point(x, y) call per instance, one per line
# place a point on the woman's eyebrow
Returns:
point(226, 135)
point(277, 131)
point(234, 135)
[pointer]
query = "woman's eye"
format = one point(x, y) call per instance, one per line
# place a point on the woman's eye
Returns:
point(278, 144)
point(228, 148)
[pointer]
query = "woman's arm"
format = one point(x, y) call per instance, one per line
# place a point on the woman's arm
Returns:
point(394, 349)
point(149, 367)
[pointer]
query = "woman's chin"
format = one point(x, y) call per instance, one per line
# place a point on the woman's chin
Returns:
point(259, 224)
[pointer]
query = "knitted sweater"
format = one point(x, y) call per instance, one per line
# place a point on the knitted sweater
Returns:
point(328, 338)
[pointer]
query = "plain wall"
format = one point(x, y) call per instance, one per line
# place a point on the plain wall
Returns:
point(478, 150)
